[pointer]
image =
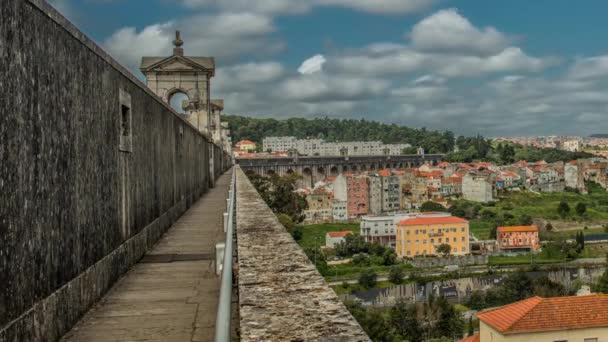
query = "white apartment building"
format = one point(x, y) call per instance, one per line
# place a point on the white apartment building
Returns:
point(339, 212)
point(279, 144)
point(477, 188)
point(319, 147)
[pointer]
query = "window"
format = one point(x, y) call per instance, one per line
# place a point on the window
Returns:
point(126, 140)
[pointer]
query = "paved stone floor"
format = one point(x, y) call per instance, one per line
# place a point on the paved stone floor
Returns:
point(166, 301)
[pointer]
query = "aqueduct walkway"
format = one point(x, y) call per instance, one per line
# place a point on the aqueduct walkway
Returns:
point(172, 293)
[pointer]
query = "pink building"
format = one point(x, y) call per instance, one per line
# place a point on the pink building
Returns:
point(357, 202)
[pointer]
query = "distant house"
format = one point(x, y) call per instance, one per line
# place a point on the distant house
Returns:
point(333, 238)
point(246, 145)
point(518, 238)
point(576, 318)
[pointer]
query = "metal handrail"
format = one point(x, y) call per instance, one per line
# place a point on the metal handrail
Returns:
point(222, 322)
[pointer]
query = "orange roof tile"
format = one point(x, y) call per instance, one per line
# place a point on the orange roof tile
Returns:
point(474, 338)
point(518, 229)
point(547, 314)
point(246, 142)
point(384, 173)
point(339, 234)
point(432, 220)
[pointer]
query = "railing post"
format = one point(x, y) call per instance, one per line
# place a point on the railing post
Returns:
point(220, 248)
point(225, 222)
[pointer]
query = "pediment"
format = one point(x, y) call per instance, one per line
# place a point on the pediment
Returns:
point(175, 63)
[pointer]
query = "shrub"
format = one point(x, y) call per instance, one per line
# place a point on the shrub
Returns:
point(368, 278)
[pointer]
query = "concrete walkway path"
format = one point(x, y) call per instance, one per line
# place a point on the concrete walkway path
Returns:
point(171, 294)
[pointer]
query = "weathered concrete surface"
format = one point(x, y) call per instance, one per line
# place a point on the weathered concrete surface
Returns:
point(158, 301)
point(282, 296)
point(78, 208)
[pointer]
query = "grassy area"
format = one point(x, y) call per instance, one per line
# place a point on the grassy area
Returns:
point(313, 235)
point(350, 271)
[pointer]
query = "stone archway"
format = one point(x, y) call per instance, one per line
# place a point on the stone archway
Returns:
point(307, 175)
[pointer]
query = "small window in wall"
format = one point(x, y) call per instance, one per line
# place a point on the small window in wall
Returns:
point(125, 122)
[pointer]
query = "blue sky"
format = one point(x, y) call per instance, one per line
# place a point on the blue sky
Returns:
point(491, 67)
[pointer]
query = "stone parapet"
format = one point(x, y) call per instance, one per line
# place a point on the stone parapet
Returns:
point(282, 296)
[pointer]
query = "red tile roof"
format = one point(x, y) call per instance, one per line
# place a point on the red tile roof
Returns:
point(339, 234)
point(474, 338)
point(547, 314)
point(384, 173)
point(432, 220)
point(517, 229)
point(245, 142)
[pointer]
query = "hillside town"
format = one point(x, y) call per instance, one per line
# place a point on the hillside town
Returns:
point(352, 196)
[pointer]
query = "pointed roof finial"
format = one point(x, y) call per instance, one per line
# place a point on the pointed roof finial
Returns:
point(178, 42)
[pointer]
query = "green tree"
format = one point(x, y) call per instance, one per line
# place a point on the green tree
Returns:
point(368, 278)
point(563, 209)
point(602, 285)
point(396, 274)
point(444, 249)
point(525, 220)
point(450, 323)
point(580, 208)
point(516, 286)
point(545, 287)
point(432, 206)
point(471, 328)
point(404, 319)
point(389, 257)
point(361, 259)
point(549, 226)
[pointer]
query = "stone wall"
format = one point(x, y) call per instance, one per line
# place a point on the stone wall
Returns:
point(94, 169)
point(282, 296)
point(466, 260)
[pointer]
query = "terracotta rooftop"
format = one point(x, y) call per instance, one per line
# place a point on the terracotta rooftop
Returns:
point(339, 234)
point(474, 338)
point(517, 229)
point(547, 314)
point(432, 220)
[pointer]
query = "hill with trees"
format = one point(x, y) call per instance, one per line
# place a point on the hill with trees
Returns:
point(255, 129)
point(469, 149)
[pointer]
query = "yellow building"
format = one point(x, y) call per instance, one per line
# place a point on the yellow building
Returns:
point(422, 235)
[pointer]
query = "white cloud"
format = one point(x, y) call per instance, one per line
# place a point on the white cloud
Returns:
point(303, 6)
point(381, 6)
point(128, 46)
point(319, 87)
point(429, 79)
point(587, 68)
point(312, 65)
point(244, 76)
point(447, 30)
point(225, 36)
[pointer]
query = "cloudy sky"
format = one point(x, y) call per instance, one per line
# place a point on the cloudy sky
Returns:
point(514, 67)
